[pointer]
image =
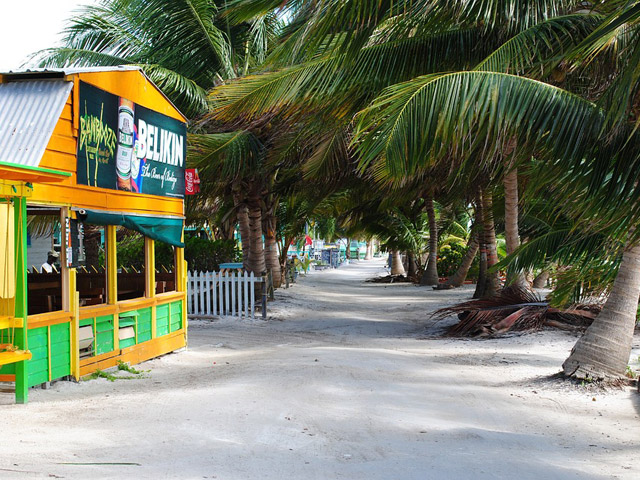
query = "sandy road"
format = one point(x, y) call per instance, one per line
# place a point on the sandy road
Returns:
point(344, 381)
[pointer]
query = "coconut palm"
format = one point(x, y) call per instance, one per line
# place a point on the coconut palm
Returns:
point(340, 63)
point(184, 46)
point(473, 116)
point(233, 164)
point(568, 146)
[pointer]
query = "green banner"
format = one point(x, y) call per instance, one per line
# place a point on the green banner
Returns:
point(125, 146)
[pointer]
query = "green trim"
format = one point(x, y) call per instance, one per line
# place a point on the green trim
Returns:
point(35, 169)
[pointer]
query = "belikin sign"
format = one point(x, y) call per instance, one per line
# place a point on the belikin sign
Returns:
point(128, 147)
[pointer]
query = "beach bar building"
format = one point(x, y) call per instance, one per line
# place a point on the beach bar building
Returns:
point(86, 156)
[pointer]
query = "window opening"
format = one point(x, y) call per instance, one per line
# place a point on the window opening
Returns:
point(130, 260)
point(165, 267)
point(91, 278)
point(44, 278)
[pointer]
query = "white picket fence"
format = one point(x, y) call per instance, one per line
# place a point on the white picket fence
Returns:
point(226, 293)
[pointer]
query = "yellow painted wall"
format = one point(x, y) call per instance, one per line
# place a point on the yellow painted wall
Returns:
point(61, 150)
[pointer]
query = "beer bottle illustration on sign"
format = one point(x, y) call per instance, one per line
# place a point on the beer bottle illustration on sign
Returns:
point(124, 152)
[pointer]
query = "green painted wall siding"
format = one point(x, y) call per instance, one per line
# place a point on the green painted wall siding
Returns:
point(104, 334)
point(162, 320)
point(60, 351)
point(144, 325)
point(127, 342)
point(38, 366)
point(176, 316)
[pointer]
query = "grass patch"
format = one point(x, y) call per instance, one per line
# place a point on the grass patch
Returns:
point(122, 366)
point(128, 368)
point(100, 374)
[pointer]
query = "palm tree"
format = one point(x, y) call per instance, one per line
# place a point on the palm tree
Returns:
point(341, 54)
point(463, 114)
point(185, 46)
point(234, 161)
point(542, 103)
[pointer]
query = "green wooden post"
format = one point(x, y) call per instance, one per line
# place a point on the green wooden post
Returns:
point(20, 216)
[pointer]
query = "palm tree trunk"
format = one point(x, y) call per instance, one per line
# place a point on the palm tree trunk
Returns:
point(603, 351)
point(511, 217)
point(245, 232)
point(482, 271)
point(511, 210)
point(430, 275)
point(271, 250)
point(226, 229)
point(369, 254)
point(541, 280)
point(283, 258)
point(396, 263)
point(493, 280)
point(256, 263)
point(458, 278)
point(412, 266)
point(347, 252)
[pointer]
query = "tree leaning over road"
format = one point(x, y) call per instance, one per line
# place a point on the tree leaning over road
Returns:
point(425, 118)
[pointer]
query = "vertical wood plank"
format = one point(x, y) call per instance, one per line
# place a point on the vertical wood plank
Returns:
point(149, 267)
point(112, 265)
point(207, 292)
point(240, 287)
point(252, 292)
point(245, 281)
point(234, 277)
point(220, 294)
point(214, 291)
point(190, 296)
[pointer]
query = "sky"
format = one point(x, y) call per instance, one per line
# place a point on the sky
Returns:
point(27, 26)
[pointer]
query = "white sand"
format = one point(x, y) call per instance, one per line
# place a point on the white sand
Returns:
point(344, 381)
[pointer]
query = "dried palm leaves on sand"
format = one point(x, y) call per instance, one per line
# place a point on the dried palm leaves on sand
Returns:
point(513, 309)
point(390, 279)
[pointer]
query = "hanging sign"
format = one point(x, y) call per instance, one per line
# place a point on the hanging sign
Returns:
point(191, 181)
point(125, 146)
point(76, 256)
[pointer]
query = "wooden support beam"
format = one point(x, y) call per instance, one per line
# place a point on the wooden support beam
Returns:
point(20, 229)
point(74, 326)
point(150, 267)
point(112, 265)
point(112, 279)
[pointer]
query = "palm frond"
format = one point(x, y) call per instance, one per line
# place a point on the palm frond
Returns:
point(224, 156)
point(189, 97)
point(414, 123)
point(542, 45)
point(513, 309)
point(331, 79)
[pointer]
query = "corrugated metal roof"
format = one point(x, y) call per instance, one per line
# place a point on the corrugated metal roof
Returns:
point(55, 73)
point(29, 111)
point(73, 70)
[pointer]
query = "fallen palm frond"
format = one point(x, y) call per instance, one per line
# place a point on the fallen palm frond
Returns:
point(514, 309)
point(390, 279)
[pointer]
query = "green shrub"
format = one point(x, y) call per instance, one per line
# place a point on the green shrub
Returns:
point(201, 254)
point(449, 258)
point(130, 252)
point(206, 255)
